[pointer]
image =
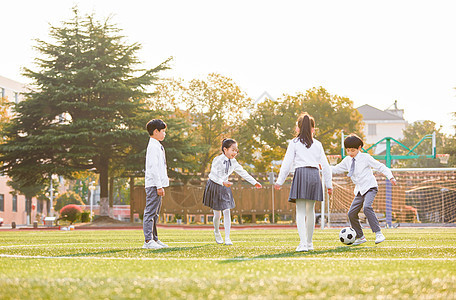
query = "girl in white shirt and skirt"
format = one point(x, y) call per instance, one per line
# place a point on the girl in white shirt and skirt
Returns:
point(306, 154)
point(217, 194)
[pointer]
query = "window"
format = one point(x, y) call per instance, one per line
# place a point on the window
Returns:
point(15, 203)
point(16, 98)
point(3, 92)
point(372, 129)
point(2, 202)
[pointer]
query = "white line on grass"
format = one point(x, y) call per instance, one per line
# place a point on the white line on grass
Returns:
point(235, 258)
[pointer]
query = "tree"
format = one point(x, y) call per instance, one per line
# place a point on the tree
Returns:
point(81, 115)
point(413, 133)
point(272, 124)
point(217, 106)
point(69, 197)
point(4, 115)
point(214, 108)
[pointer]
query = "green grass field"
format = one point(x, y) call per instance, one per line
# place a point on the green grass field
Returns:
point(262, 264)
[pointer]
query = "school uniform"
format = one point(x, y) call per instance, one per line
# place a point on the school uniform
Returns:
point(216, 195)
point(366, 187)
point(156, 177)
point(306, 163)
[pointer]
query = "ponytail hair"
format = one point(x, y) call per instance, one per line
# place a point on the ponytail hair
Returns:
point(305, 124)
point(227, 143)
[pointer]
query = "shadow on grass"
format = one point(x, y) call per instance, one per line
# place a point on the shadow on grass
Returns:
point(174, 249)
point(342, 249)
point(92, 253)
point(162, 250)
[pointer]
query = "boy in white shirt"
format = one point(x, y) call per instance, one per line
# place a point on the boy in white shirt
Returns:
point(358, 165)
point(156, 179)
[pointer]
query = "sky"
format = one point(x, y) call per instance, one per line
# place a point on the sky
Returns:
point(373, 52)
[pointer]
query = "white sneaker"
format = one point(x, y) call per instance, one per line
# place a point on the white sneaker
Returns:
point(379, 237)
point(162, 244)
point(302, 248)
point(151, 245)
point(359, 241)
point(310, 246)
point(228, 242)
point(218, 238)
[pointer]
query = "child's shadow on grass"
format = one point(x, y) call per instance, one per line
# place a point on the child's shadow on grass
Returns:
point(174, 249)
point(92, 253)
point(162, 250)
point(341, 249)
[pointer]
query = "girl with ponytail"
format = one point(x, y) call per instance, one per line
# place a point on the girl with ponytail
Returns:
point(307, 155)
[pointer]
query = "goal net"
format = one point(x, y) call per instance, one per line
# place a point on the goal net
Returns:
point(420, 196)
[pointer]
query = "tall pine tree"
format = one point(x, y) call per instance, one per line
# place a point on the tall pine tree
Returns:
point(82, 111)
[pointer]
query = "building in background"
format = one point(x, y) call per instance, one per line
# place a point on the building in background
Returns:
point(13, 206)
point(379, 124)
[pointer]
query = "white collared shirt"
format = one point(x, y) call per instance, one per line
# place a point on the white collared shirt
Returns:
point(220, 172)
point(156, 173)
point(298, 155)
point(363, 177)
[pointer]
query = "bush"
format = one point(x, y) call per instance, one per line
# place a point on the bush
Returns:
point(70, 213)
point(69, 197)
point(85, 216)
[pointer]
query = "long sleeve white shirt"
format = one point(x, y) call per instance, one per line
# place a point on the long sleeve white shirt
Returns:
point(220, 172)
point(363, 177)
point(298, 155)
point(156, 174)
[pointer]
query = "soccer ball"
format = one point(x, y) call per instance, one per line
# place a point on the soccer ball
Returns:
point(347, 235)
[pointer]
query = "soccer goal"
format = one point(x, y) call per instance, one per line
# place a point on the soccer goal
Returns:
point(422, 195)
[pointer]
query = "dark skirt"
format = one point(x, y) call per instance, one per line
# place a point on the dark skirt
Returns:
point(218, 197)
point(306, 185)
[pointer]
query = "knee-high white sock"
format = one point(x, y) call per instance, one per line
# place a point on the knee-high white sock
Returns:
point(216, 220)
point(301, 220)
point(227, 223)
point(310, 219)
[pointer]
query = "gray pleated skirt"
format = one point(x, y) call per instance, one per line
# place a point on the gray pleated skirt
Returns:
point(218, 197)
point(306, 185)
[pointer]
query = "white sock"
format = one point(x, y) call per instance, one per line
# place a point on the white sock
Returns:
point(301, 220)
point(310, 219)
point(227, 223)
point(216, 220)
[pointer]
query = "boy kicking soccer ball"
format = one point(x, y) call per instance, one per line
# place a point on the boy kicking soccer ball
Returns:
point(359, 167)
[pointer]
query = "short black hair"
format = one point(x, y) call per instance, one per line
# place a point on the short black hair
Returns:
point(353, 141)
point(155, 124)
point(227, 143)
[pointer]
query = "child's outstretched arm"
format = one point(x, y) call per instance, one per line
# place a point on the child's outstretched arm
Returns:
point(378, 166)
point(244, 174)
point(287, 164)
point(341, 167)
point(327, 174)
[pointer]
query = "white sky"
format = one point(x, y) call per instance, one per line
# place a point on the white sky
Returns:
point(373, 52)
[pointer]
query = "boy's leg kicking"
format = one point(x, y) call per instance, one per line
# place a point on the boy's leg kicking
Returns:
point(355, 207)
point(370, 215)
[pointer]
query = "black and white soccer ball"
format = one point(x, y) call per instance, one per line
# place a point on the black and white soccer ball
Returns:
point(347, 235)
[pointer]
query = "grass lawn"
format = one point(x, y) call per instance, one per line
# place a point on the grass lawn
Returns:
point(262, 264)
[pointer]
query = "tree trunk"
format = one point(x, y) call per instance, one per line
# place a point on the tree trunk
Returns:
point(111, 197)
point(132, 186)
point(104, 188)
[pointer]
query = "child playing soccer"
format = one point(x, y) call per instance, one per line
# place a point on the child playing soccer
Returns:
point(217, 194)
point(358, 165)
point(156, 179)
